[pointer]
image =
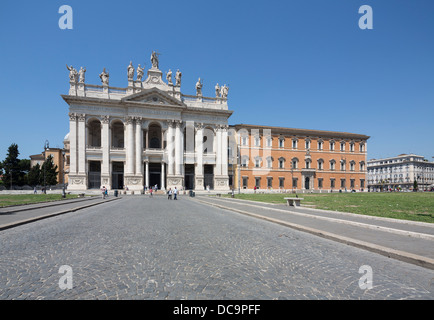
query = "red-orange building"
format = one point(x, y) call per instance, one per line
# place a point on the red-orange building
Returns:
point(288, 159)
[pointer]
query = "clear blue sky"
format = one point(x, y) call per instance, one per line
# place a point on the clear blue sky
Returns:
point(301, 64)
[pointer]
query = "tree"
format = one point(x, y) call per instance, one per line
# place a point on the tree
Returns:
point(34, 177)
point(49, 172)
point(13, 170)
point(415, 185)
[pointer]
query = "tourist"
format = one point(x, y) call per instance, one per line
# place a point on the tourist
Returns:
point(175, 192)
point(103, 192)
point(169, 194)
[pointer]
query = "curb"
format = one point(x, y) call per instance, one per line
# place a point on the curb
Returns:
point(22, 222)
point(388, 252)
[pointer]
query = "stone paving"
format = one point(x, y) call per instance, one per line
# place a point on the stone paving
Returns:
point(152, 248)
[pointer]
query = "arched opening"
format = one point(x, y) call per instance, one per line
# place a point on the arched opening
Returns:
point(94, 133)
point(307, 183)
point(154, 136)
point(118, 134)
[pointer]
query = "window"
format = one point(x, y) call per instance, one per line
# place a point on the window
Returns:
point(307, 144)
point(320, 145)
point(342, 165)
point(269, 162)
point(257, 141)
point(244, 141)
point(332, 164)
point(332, 145)
point(269, 141)
point(352, 147)
point(362, 183)
point(245, 180)
point(307, 163)
point(320, 183)
point(269, 182)
point(332, 183)
point(352, 184)
point(362, 147)
point(257, 182)
point(352, 166)
point(294, 163)
point(343, 183)
point(257, 162)
point(281, 182)
point(294, 183)
point(294, 143)
point(362, 166)
point(342, 146)
point(320, 164)
point(281, 163)
point(281, 142)
point(244, 161)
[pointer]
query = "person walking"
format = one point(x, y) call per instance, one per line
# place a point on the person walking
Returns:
point(150, 193)
point(103, 192)
point(175, 192)
point(169, 194)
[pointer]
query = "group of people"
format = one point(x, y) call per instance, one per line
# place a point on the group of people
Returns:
point(174, 193)
point(104, 192)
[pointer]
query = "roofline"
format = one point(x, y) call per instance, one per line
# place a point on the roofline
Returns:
point(304, 132)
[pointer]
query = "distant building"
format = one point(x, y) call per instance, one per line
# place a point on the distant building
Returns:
point(57, 157)
point(400, 172)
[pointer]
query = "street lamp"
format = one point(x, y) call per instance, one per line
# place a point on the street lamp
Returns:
point(46, 147)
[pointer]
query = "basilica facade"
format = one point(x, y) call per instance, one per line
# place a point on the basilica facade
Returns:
point(147, 134)
point(151, 134)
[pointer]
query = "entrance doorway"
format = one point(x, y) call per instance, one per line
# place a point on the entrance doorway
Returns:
point(117, 175)
point(208, 171)
point(189, 177)
point(307, 183)
point(94, 180)
point(155, 175)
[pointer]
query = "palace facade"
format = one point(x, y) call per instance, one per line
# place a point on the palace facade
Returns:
point(151, 134)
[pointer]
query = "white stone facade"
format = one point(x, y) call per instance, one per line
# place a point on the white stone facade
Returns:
point(146, 134)
point(401, 172)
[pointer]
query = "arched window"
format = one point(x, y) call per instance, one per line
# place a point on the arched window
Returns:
point(94, 133)
point(294, 163)
point(281, 163)
point(154, 136)
point(117, 134)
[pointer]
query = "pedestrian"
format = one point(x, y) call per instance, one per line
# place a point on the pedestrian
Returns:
point(169, 194)
point(175, 192)
point(103, 192)
point(150, 193)
point(34, 190)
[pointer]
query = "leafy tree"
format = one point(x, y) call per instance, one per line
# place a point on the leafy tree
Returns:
point(415, 185)
point(49, 172)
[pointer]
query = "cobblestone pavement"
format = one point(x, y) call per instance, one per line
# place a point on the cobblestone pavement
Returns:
point(153, 248)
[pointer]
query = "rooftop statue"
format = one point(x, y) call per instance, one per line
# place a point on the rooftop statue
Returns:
point(154, 59)
point(104, 77)
point(73, 74)
point(81, 74)
point(130, 72)
point(178, 78)
point(140, 73)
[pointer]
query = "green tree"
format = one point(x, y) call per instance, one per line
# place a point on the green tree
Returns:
point(34, 177)
point(49, 172)
point(415, 185)
point(13, 169)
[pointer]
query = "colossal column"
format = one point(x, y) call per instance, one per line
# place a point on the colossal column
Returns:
point(218, 165)
point(199, 185)
point(139, 147)
point(105, 143)
point(129, 169)
point(82, 144)
point(178, 148)
point(224, 154)
point(73, 144)
point(170, 148)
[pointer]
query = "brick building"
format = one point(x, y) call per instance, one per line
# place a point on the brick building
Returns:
point(276, 158)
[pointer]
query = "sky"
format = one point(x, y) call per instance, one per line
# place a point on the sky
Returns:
point(299, 64)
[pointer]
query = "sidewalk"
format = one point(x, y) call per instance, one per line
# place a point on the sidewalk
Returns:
point(400, 239)
point(17, 215)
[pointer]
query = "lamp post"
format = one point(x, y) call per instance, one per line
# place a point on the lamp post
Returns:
point(46, 147)
point(63, 171)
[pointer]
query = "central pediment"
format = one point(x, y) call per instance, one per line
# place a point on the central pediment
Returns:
point(153, 96)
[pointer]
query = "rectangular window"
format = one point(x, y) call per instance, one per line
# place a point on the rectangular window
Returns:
point(352, 184)
point(269, 182)
point(294, 183)
point(332, 183)
point(257, 182)
point(320, 183)
point(319, 145)
point(245, 180)
point(294, 144)
point(281, 143)
point(362, 183)
point(343, 183)
point(281, 182)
